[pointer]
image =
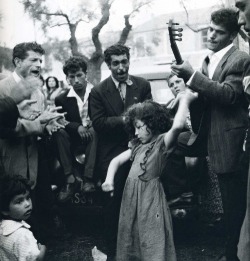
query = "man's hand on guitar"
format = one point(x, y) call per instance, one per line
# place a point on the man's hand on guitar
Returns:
point(184, 70)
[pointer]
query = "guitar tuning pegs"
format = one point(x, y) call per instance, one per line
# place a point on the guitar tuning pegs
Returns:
point(180, 29)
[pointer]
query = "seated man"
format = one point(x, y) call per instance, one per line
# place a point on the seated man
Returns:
point(78, 131)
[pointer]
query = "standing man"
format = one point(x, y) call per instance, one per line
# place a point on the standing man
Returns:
point(108, 101)
point(220, 86)
point(78, 131)
point(244, 244)
point(19, 154)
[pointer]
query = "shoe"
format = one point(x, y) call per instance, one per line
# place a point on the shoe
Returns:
point(67, 192)
point(88, 187)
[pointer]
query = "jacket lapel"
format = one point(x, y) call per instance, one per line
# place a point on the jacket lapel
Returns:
point(221, 64)
point(113, 97)
point(72, 107)
point(131, 95)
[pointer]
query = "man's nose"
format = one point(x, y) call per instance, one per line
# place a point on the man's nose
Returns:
point(120, 67)
point(241, 20)
point(136, 132)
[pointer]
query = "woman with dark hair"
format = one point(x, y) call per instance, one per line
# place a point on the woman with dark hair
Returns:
point(53, 89)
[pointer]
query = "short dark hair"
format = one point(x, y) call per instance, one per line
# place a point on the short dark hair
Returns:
point(117, 49)
point(11, 186)
point(74, 64)
point(154, 115)
point(47, 82)
point(226, 17)
point(20, 50)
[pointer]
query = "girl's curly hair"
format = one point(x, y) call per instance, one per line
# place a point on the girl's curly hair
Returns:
point(156, 117)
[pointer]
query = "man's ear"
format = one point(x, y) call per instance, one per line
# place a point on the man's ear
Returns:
point(67, 79)
point(233, 35)
point(18, 62)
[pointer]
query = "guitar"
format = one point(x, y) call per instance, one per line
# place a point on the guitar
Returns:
point(173, 36)
point(199, 134)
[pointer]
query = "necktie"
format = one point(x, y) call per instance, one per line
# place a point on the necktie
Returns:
point(122, 90)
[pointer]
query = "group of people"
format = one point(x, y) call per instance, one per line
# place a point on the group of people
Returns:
point(128, 140)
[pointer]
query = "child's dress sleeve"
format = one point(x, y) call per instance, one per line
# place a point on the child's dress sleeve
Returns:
point(133, 145)
point(25, 247)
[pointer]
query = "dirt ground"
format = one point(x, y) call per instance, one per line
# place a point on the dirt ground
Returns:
point(194, 240)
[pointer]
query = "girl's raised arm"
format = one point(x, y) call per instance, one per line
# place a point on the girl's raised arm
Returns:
point(115, 163)
point(184, 99)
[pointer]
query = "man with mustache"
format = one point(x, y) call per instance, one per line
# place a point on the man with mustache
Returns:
point(244, 244)
point(78, 133)
point(108, 100)
point(220, 88)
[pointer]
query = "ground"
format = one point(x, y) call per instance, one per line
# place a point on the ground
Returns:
point(195, 240)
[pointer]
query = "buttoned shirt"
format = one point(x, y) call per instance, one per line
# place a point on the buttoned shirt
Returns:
point(82, 104)
point(214, 59)
point(17, 242)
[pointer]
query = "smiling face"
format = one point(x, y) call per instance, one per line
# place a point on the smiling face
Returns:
point(20, 207)
point(176, 85)
point(244, 14)
point(29, 66)
point(218, 37)
point(119, 67)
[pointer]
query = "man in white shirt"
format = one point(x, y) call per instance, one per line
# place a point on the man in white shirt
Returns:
point(78, 133)
point(221, 93)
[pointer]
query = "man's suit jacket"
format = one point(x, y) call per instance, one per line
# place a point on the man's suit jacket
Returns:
point(226, 112)
point(106, 109)
point(69, 105)
point(18, 154)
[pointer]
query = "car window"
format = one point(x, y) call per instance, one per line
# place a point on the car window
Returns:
point(160, 91)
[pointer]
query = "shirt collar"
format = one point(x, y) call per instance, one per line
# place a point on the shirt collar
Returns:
point(72, 92)
point(220, 53)
point(10, 226)
point(16, 77)
point(128, 81)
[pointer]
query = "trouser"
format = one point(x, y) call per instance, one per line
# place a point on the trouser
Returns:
point(66, 145)
point(42, 198)
point(233, 188)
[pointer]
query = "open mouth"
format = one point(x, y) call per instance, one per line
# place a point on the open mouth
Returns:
point(35, 73)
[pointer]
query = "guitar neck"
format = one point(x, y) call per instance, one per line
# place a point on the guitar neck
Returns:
point(176, 53)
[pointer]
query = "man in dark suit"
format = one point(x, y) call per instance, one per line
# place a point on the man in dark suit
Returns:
point(78, 133)
point(220, 86)
point(244, 244)
point(108, 101)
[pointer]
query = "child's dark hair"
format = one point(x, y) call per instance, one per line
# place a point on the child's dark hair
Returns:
point(154, 115)
point(10, 186)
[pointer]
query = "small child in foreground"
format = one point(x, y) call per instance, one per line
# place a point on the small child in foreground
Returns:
point(17, 242)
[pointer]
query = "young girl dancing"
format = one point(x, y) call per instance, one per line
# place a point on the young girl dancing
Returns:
point(145, 226)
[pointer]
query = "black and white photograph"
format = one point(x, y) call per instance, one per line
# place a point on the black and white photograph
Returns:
point(124, 130)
